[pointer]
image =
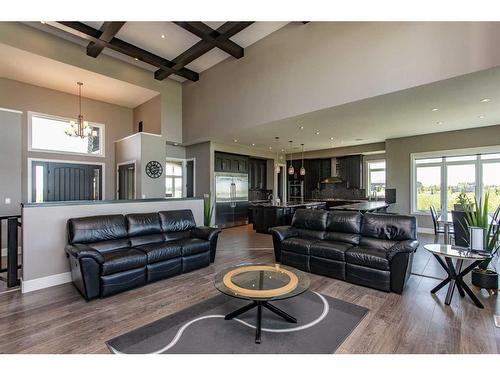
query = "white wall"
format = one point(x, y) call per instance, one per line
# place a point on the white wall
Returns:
point(44, 260)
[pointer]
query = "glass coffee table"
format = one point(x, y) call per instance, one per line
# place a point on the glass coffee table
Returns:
point(261, 283)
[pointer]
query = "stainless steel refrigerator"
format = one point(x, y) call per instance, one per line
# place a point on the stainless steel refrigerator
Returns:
point(231, 199)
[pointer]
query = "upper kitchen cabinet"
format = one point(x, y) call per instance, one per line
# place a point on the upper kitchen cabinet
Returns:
point(257, 174)
point(230, 163)
point(350, 169)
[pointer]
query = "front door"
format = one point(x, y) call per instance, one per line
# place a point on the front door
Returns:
point(56, 181)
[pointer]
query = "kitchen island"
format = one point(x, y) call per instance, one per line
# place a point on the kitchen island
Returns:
point(265, 215)
point(366, 206)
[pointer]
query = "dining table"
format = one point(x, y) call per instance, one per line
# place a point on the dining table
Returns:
point(447, 221)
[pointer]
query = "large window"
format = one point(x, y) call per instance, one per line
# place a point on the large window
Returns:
point(438, 181)
point(47, 133)
point(173, 179)
point(375, 185)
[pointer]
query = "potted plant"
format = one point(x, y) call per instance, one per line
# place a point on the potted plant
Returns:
point(208, 209)
point(477, 217)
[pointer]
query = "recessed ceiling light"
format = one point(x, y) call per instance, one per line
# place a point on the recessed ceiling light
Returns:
point(434, 109)
point(235, 140)
point(439, 123)
point(270, 147)
point(282, 150)
point(481, 116)
point(331, 138)
point(358, 139)
point(136, 59)
point(317, 133)
point(176, 144)
point(163, 36)
point(485, 100)
point(301, 127)
point(253, 144)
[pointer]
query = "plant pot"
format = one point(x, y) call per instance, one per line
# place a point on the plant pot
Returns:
point(487, 279)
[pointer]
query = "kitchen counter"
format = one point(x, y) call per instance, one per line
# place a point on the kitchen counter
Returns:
point(367, 206)
point(291, 204)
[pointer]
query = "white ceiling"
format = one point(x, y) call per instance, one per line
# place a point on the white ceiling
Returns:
point(147, 35)
point(41, 71)
point(400, 114)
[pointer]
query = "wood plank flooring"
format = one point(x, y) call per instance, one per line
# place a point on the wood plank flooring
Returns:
point(59, 320)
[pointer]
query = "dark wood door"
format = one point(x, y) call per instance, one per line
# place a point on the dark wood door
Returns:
point(190, 178)
point(126, 181)
point(53, 181)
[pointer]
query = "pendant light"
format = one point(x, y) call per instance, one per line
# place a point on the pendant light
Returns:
point(291, 170)
point(302, 169)
point(80, 128)
point(277, 168)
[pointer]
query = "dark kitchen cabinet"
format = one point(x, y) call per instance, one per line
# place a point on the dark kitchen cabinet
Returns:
point(350, 169)
point(257, 174)
point(230, 163)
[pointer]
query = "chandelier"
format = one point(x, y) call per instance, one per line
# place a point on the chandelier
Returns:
point(302, 169)
point(80, 128)
point(291, 170)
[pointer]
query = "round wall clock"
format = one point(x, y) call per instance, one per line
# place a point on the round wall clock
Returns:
point(154, 169)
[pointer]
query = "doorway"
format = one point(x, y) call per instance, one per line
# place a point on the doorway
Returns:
point(65, 181)
point(126, 181)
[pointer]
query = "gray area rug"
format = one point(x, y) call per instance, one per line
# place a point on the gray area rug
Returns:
point(323, 324)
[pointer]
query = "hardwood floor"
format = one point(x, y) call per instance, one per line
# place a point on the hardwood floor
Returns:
point(59, 320)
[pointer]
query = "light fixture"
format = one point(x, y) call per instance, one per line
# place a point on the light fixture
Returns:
point(331, 138)
point(176, 144)
point(42, 22)
point(439, 123)
point(163, 36)
point(136, 59)
point(291, 170)
point(253, 144)
point(481, 116)
point(358, 139)
point(235, 140)
point(80, 128)
point(485, 100)
point(317, 133)
point(302, 171)
point(434, 109)
point(301, 127)
point(270, 147)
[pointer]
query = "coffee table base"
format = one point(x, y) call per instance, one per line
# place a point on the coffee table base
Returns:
point(260, 305)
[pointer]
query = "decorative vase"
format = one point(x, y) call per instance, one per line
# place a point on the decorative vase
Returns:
point(487, 279)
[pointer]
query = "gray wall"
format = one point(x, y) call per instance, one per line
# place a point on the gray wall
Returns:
point(304, 68)
point(203, 154)
point(10, 162)
point(152, 149)
point(43, 256)
point(24, 97)
point(398, 152)
point(150, 115)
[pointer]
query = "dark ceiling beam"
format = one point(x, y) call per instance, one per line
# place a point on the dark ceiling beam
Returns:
point(109, 30)
point(89, 33)
point(224, 32)
point(210, 35)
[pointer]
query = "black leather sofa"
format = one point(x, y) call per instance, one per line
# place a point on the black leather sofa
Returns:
point(375, 250)
point(112, 253)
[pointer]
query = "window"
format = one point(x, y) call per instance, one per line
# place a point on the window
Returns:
point(173, 179)
point(376, 178)
point(438, 181)
point(47, 133)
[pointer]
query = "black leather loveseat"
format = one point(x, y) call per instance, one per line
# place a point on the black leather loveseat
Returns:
point(375, 250)
point(112, 253)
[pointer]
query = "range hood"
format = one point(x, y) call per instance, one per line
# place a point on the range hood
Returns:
point(334, 178)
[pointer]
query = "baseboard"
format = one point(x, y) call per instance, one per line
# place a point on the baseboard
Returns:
point(45, 282)
point(425, 230)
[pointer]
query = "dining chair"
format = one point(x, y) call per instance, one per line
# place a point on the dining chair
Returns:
point(438, 227)
point(460, 228)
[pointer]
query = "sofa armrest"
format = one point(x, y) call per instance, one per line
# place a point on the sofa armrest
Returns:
point(205, 233)
point(80, 251)
point(408, 246)
point(284, 232)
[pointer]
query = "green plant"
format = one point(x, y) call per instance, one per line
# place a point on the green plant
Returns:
point(208, 209)
point(477, 216)
point(465, 201)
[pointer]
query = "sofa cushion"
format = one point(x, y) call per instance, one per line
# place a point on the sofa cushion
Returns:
point(330, 249)
point(310, 219)
point(367, 257)
point(96, 228)
point(157, 252)
point(298, 245)
point(389, 227)
point(191, 246)
point(376, 243)
point(143, 224)
point(177, 220)
point(344, 222)
point(174, 236)
point(111, 245)
point(147, 239)
point(123, 260)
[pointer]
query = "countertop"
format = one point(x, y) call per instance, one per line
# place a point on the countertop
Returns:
point(362, 206)
point(290, 204)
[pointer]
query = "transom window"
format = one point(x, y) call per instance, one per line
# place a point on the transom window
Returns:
point(438, 181)
point(173, 179)
point(376, 178)
point(47, 133)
